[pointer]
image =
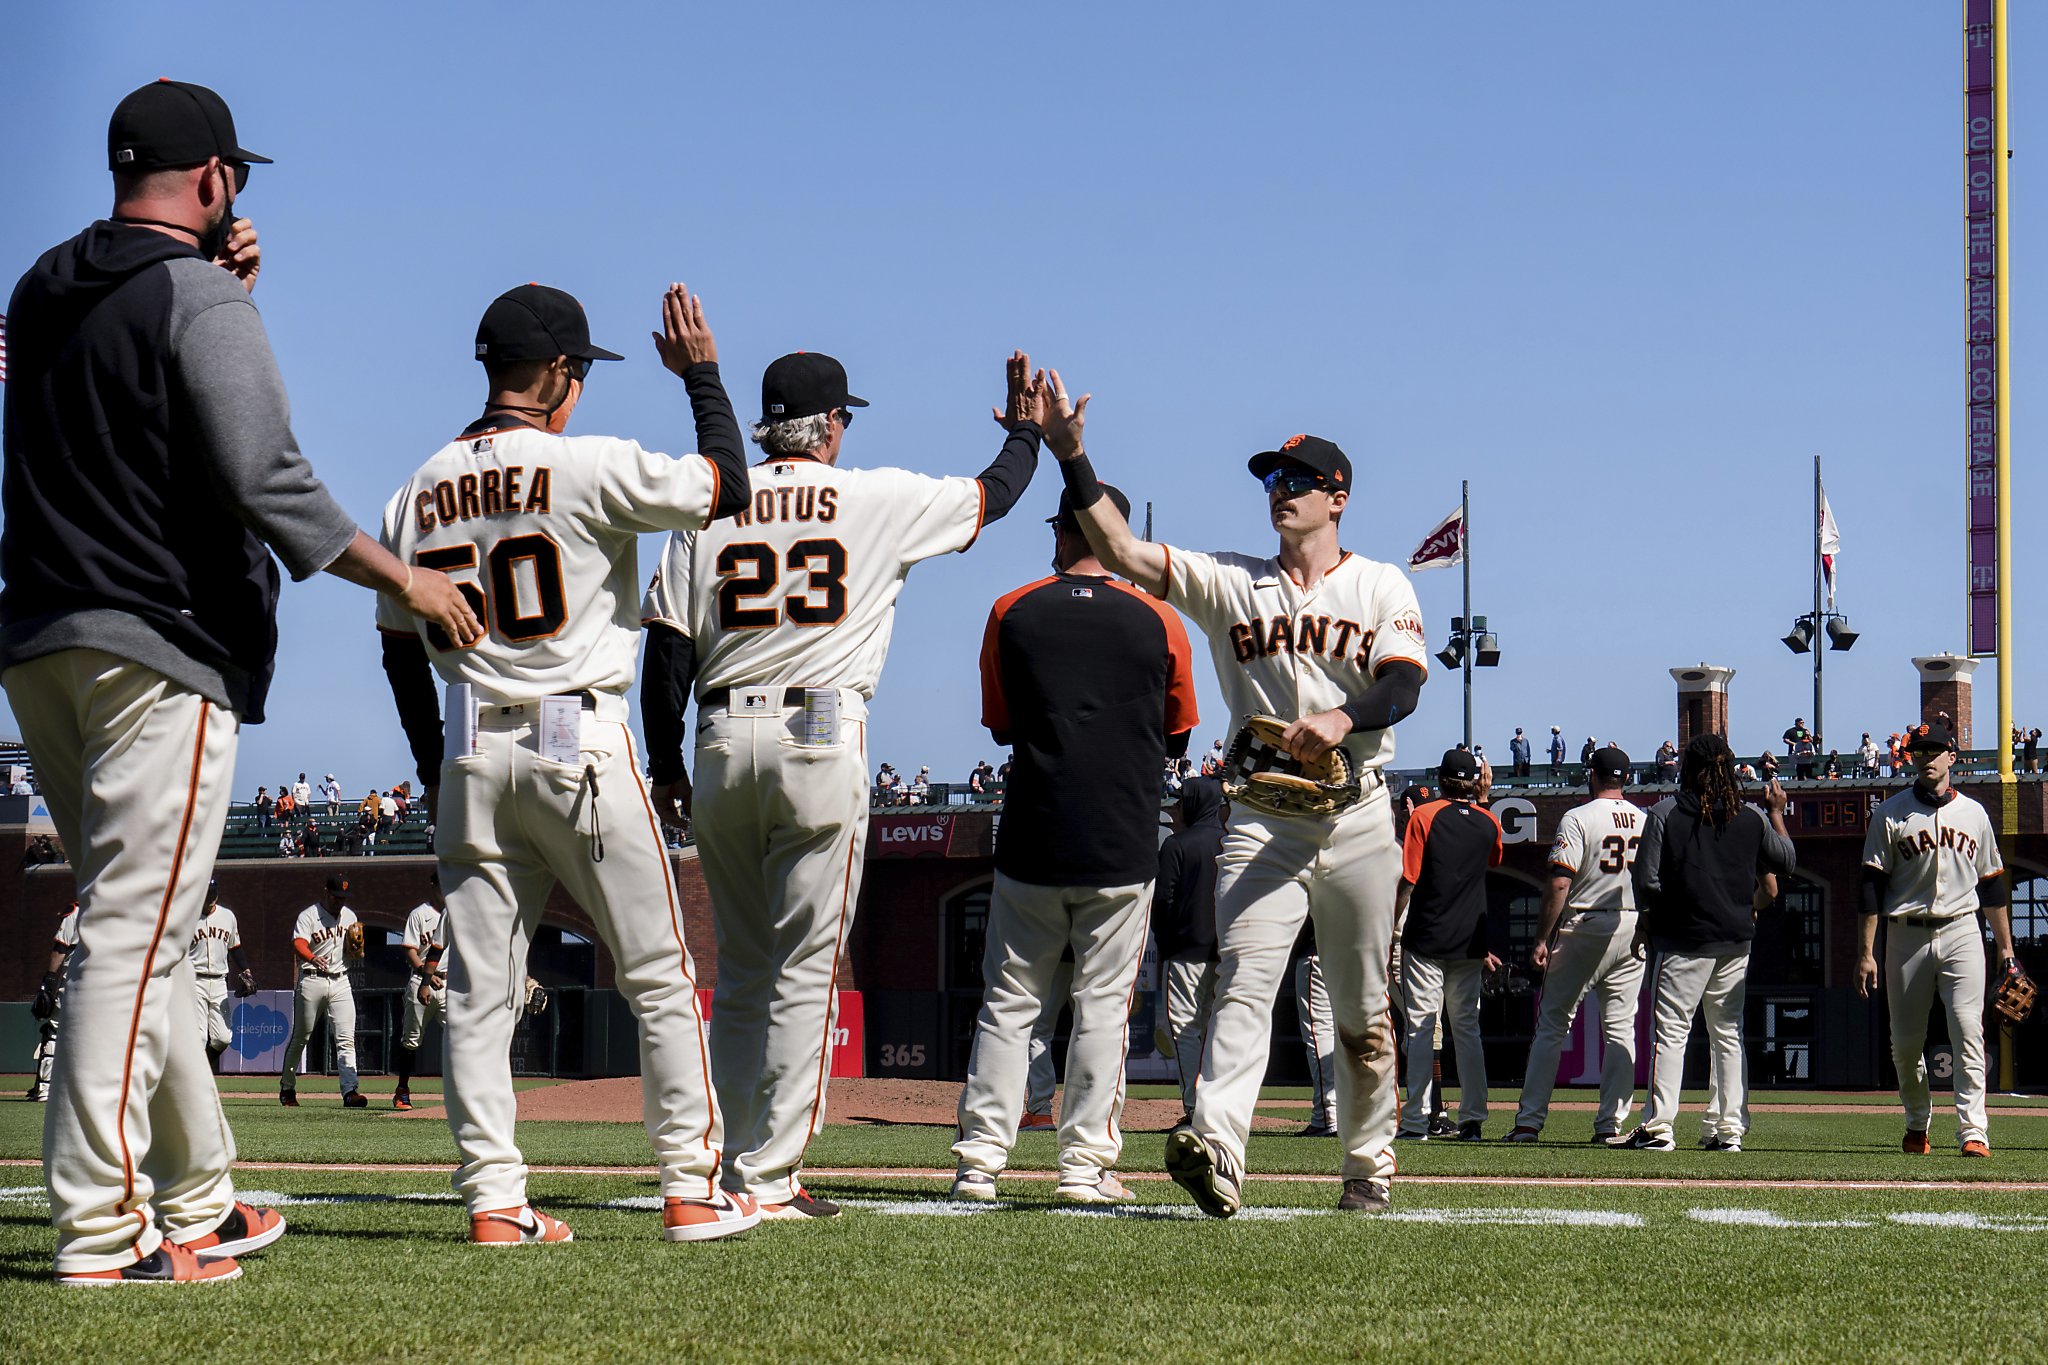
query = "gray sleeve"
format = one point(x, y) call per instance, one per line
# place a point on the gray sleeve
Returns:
point(1775, 854)
point(1647, 872)
point(222, 363)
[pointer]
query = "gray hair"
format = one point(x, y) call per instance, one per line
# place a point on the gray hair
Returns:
point(794, 435)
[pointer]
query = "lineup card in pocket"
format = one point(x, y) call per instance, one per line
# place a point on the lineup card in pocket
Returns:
point(458, 722)
point(821, 718)
point(561, 729)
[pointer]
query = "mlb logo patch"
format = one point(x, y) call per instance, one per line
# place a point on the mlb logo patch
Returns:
point(1082, 592)
point(480, 446)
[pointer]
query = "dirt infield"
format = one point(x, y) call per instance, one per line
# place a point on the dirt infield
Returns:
point(878, 1101)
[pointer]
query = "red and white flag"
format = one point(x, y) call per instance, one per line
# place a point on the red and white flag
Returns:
point(1444, 546)
point(1830, 545)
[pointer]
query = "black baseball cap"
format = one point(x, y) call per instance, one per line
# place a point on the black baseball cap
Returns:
point(1065, 518)
point(1610, 763)
point(337, 885)
point(804, 384)
point(535, 322)
point(1311, 451)
point(170, 123)
point(1929, 735)
point(1460, 763)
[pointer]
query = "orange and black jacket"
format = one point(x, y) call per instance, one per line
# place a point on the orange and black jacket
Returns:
point(1445, 853)
point(1091, 684)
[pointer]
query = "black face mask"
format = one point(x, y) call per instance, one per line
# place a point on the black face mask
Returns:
point(212, 242)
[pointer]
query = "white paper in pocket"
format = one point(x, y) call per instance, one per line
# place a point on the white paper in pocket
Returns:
point(458, 722)
point(561, 729)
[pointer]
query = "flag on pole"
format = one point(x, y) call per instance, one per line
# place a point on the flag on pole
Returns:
point(1444, 546)
point(1830, 545)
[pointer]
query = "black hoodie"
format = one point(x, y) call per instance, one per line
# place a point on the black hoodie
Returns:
point(149, 460)
point(1184, 897)
point(1695, 883)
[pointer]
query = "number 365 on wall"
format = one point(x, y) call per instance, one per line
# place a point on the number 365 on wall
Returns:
point(902, 1054)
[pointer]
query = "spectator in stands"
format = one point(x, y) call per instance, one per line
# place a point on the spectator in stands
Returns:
point(982, 780)
point(287, 843)
point(330, 791)
point(40, 852)
point(1767, 766)
point(309, 841)
point(1212, 762)
point(264, 805)
point(1557, 753)
point(1519, 752)
point(20, 787)
point(1833, 768)
point(302, 794)
point(1806, 757)
point(1667, 761)
point(1866, 757)
point(1170, 781)
point(920, 787)
point(1586, 752)
point(886, 784)
point(2030, 750)
point(400, 802)
point(1891, 755)
point(287, 807)
point(1796, 732)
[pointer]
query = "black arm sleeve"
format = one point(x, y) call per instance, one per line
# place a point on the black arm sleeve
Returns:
point(1177, 745)
point(1870, 892)
point(665, 681)
point(1992, 892)
point(238, 961)
point(1391, 698)
point(419, 710)
point(1009, 474)
point(718, 437)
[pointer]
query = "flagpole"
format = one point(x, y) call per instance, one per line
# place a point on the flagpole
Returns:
point(1820, 651)
point(1465, 538)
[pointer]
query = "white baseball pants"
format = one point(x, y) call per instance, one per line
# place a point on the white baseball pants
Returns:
point(1715, 986)
point(1593, 951)
point(1040, 1078)
point(417, 1016)
point(1273, 871)
point(1441, 997)
point(214, 1004)
point(1029, 928)
point(1190, 992)
point(782, 827)
point(317, 995)
point(1920, 964)
point(1318, 1039)
point(512, 824)
point(136, 771)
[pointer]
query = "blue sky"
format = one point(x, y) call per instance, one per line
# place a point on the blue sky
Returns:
point(1626, 268)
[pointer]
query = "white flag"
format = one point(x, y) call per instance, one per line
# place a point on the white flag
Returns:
point(1443, 546)
point(1830, 545)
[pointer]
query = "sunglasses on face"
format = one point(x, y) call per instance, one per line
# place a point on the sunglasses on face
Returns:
point(579, 366)
point(845, 417)
point(1294, 482)
point(241, 173)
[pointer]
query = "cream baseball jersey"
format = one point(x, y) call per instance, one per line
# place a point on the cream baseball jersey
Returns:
point(819, 546)
point(422, 928)
point(67, 929)
point(1934, 854)
point(323, 931)
point(539, 531)
point(1596, 844)
point(214, 935)
point(1288, 651)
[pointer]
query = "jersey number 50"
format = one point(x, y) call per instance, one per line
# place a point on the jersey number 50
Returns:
point(499, 610)
point(749, 570)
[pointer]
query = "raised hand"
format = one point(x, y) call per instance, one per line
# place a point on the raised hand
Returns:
point(1064, 420)
point(1026, 400)
point(241, 257)
point(685, 338)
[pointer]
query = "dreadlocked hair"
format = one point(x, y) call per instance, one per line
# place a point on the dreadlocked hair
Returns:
point(1708, 772)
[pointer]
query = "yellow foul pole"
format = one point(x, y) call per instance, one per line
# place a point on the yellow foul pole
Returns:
point(2001, 156)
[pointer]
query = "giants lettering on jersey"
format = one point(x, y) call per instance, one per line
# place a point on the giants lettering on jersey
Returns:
point(801, 503)
point(485, 494)
point(324, 935)
point(1263, 637)
point(1912, 845)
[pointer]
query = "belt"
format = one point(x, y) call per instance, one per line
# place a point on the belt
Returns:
point(722, 696)
point(1926, 921)
point(310, 970)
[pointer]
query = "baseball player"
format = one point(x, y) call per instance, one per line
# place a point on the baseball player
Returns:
point(1696, 874)
point(48, 1007)
point(532, 772)
point(426, 992)
point(779, 620)
point(151, 473)
point(1318, 1036)
point(1930, 863)
point(216, 953)
point(1091, 681)
point(1184, 927)
point(325, 939)
point(1332, 643)
point(1450, 939)
point(1585, 942)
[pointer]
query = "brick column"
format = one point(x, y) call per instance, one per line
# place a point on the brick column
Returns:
point(1945, 687)
point(1702, 701)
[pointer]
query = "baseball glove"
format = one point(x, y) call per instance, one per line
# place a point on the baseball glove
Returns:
point(45, 1006)
point(2014, 999)
point(245, 984)
point(1260, 773)
point(536, 999)
point(352, 940)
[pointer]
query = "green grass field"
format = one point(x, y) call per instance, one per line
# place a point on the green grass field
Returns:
point(1577, 1270)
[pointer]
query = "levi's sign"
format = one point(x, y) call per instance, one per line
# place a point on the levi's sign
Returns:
point(910, 836)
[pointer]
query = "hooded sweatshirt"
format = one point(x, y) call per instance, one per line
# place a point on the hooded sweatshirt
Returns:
point(149, 460)
point(1694, 882)
point(1184, 897)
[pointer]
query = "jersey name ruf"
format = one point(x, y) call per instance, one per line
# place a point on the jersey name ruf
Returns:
point(540, 532)
point(800, 589)
point(211, 940)
point(1285, 650)
point(1596, 845)
point(1934, 854)
point(325, 933)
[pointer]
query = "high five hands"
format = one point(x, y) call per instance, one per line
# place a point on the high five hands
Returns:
point(685, 337)
point(1027, 400)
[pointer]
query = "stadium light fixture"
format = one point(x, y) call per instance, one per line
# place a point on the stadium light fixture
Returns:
point(1800, 639)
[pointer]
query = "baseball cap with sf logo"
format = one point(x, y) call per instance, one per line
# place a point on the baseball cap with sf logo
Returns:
point(1310, 452)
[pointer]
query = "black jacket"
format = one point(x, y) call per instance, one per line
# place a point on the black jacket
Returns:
point(1184, 897)
point(1694, 883)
